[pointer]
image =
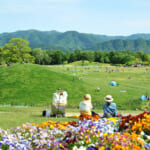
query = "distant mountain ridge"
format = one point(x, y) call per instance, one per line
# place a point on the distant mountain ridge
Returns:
point(74, 40)
point(121, 45)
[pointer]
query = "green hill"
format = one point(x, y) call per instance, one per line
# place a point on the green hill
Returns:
point(28, 84)
point(34, 84)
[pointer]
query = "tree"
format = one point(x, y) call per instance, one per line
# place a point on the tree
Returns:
point(1, 55)
point(90, 56)
point(128, 59)
point(72, 57)
point(58, 57)
point(15, 51)
point(97, 56)
point(46, 58)
point(68, 53)
point(138, 60)
point(78, 54)
point(29, 58)
point(38, 54)
point(106, 59)
point(146, 58)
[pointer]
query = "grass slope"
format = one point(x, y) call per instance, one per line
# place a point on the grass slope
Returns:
point(28, 84)
point(34, 84)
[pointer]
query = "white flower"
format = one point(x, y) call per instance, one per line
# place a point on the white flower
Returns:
point(80, 148)
point(81, 142)
point(142, 133)
point(75, 148)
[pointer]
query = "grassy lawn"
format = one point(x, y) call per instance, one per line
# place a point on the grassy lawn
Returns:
point(11, 117)
point(34, 85)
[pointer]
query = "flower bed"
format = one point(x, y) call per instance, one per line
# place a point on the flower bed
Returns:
point(94, 134)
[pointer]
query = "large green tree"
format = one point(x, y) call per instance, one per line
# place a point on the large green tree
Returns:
point(16, 51)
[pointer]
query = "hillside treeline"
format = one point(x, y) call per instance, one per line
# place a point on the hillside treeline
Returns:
point(51, 57)
point(18, 51)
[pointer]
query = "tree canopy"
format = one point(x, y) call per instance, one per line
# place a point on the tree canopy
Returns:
point(16, 51)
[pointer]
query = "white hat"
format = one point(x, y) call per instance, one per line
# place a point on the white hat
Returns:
point(108, 98)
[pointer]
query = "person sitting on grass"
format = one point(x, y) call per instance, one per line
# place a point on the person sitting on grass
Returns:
point(109, 108)
point(59, 103)
point(85, 105)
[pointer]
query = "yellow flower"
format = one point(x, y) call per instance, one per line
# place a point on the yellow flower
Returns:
point(105, 134)
point(88, 142)
point(102, 148)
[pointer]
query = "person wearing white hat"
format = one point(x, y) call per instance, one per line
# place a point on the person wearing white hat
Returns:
point(109, 108)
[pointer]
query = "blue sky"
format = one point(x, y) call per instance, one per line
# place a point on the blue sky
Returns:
point(109, 17)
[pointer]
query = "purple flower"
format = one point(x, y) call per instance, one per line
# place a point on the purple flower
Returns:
point(11, 144)
point(147, 146)
point(4, 137)
point(91, 148)
point(1, 142)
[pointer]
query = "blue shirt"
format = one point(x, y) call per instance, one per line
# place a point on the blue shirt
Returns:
point(110, 108)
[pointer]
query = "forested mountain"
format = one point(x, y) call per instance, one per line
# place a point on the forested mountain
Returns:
point(119, 45)
point(53, 39)
point(74, 40)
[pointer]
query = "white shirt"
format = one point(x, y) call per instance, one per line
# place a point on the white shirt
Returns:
point(57, 98)
point(85, 106)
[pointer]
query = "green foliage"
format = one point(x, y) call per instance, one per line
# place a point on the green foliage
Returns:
point(16, 51)
point(74, 40)
point(38, 54)
point(1, 55)
point(121, 45)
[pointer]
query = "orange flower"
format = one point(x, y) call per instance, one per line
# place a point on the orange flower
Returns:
point(88, 117)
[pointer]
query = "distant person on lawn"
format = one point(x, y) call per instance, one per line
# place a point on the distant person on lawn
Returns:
point(85, 105)
point(98, 89)
point(109, 108)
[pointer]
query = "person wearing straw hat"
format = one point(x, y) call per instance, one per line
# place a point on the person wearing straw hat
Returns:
point(85, 105)
point(109, 108)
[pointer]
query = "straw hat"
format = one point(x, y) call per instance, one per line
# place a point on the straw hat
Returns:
point(87, 97)
point(108, 98)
